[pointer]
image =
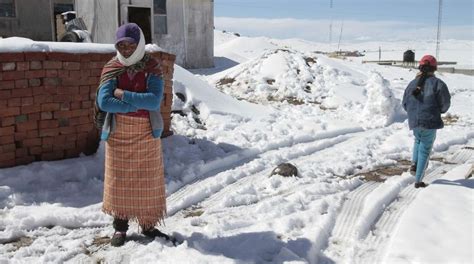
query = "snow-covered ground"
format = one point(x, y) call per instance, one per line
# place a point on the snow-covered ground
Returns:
point(266, 102)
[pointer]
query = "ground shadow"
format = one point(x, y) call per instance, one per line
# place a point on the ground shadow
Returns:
point(468, 183)
point(255, 247)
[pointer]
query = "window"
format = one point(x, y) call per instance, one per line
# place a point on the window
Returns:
point(7, 8)
point(159, 17)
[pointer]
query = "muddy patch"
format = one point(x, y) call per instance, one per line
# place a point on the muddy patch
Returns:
point(382, 173)
point(450, 119)
point(20, 242)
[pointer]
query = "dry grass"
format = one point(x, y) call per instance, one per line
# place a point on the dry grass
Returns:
point(225, 81)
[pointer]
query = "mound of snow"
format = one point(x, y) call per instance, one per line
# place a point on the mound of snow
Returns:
point(381, 107)
point(276, 75)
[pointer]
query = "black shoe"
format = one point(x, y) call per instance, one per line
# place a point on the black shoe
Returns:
point(153, 232)
point(413, 169)
point(118, 239)
point(420, 185)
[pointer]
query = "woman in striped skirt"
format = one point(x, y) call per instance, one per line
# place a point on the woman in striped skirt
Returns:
point(130, 91)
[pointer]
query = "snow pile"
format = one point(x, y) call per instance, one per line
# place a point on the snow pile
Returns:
point(448, 203)
point(276, 75)
point(381, 107)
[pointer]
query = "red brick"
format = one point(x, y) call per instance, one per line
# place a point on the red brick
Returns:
point(11, 56)
point(29, 109)
point(63, 56)
point(32, 134)
point(86, 57)
point(49, 132)
point(95, 72)
point(35, 150)
point(4, 140)
point(46, 115)
point(48, 124)
point(7, 163)
point(4, 85)
point(24, 160)
point(86, 104)
point(3, 103)
point(5, 93)
point(50, 90)
point(71, 65)
point(84, 128)
point(40, 99)
point(93, 81)
point(70, 81)
point(64, 146)
point(7, 121)
point(25, 126)
point(21, 152)
point(62, 114)
point(52, 81)
point(8, 66)
point(7, 131)
point(75, 105)
point(35, 74)
point(65, 106)
point(80, 112)
point(7, 148)
point(25, 92)
point(80, 97)
point(48, 140)
point(71, 90)
point(14, 102)
point(75, 73)
point(106, 57)
point(52, 73)
point(51, 65)
point(50, 107)
point(84, 90)
point(70, 130)
point(36, 65)
point(7, 156)
point(60, 98)
point(11, 111)
point(22, 66)
point(13, 75)
point(63, 73)
point(38, 91)
point(47, 148)
point(20, 136)
point(21, 83)
point(31, 142)
point(72, 137)
point(84, 73)
point(96, 64)
point(35, 56)
point(34, 117)
point(34, 82)
point(72, 153)
point(27, 101)
point(52, 156)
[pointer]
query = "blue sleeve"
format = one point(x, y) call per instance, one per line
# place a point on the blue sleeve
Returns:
point(443, 97)
point(151, 100)
point(108, 103)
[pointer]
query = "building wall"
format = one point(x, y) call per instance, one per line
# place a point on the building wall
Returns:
point(100, 17)
point(46, 102)
point(190, 32)
point(33, 20)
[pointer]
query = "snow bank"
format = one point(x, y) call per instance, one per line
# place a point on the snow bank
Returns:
point(381, 107)
point(437, 226)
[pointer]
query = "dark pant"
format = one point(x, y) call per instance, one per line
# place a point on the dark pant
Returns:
point(120, 225)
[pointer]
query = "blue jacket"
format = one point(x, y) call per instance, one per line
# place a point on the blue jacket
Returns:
point(425, 109)
point(131, 102)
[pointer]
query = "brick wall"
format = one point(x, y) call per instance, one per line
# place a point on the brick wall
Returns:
point(46, 101)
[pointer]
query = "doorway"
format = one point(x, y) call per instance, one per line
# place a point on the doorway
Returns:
point(142, 17)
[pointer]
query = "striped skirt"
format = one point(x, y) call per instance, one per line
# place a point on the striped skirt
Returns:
point(134, 186)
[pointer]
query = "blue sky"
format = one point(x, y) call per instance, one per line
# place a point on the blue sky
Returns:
point(396, 15)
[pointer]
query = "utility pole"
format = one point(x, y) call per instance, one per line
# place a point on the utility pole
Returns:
point(438, 34)
point(330, 24)
point(340, 35)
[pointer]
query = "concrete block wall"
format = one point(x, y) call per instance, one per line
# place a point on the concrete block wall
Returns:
point(46, 102)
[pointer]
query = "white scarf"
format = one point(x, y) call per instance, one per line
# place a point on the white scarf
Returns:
point(136, 56)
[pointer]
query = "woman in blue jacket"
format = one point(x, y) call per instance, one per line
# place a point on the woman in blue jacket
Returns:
point(130, 92)
point(425, 99)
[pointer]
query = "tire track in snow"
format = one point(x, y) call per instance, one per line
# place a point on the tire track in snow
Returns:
point(205, 188)
point(376, 244)
point(344, 231)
